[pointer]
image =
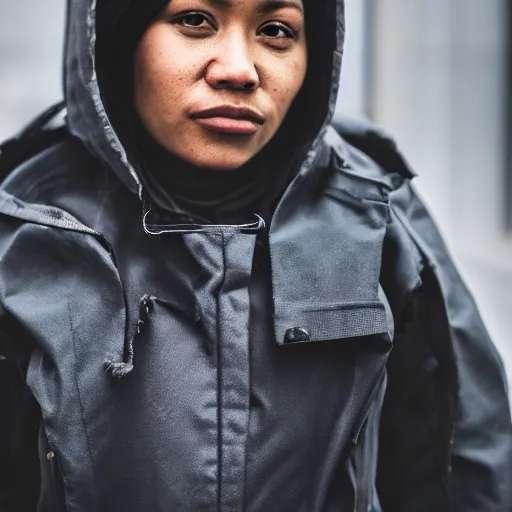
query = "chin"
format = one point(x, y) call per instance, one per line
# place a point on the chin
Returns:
point(224, 163)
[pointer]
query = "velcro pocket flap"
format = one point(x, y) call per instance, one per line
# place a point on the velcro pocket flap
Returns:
point(323, 322)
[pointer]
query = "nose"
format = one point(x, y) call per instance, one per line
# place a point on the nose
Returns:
point(233, 67)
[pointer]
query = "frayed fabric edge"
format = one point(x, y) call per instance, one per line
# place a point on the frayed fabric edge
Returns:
point(118, 370)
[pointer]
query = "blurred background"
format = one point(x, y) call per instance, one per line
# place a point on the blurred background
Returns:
point(437, 74)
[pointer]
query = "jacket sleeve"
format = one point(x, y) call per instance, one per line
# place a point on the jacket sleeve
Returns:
point(19, 425)
point(447, 415)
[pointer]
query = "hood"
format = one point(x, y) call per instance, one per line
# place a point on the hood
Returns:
point(87, 114)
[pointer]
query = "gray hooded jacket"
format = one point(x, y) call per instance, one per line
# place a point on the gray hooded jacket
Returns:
point(339, 365)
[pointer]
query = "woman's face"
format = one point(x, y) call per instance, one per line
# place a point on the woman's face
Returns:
point(214, 79)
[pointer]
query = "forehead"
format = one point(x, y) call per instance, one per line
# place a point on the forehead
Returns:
point(260, 5)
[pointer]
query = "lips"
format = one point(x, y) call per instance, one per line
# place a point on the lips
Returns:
point(230, 119)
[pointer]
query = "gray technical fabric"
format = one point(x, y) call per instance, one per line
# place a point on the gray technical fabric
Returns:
point(332, 360)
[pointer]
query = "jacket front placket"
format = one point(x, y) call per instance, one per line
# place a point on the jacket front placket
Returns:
point(224, 306)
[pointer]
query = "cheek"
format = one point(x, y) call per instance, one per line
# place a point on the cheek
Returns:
point(287, 82)
point(161, 75)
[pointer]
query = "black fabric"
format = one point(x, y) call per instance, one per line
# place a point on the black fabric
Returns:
point(121, 23)
point(420, 380)
point(19, 473)
point(31, 140)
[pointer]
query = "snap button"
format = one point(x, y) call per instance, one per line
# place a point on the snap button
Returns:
point(297, 335)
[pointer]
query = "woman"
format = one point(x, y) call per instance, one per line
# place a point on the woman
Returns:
point(219, 303)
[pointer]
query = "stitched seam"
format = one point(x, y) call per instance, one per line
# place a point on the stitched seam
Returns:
point(313, 307)
point(80, 399)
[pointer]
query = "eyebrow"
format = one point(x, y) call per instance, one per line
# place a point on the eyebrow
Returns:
point(274, 5)
point(264, 6)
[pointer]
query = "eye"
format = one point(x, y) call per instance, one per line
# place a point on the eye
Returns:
point(277, 31)
point(194, 20)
